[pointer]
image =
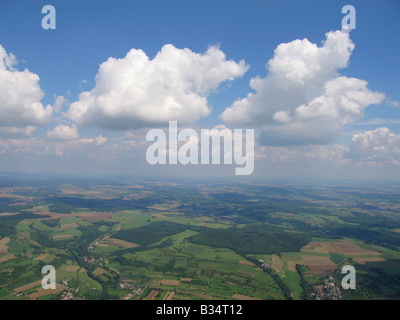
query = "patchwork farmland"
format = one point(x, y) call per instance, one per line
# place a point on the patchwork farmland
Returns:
point(148, 242)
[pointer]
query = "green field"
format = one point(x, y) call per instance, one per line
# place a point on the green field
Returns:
point(200, 241)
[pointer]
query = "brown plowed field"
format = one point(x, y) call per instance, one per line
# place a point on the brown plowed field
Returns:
point(343, 247)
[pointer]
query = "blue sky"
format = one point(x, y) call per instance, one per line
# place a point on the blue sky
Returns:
point(87, 33)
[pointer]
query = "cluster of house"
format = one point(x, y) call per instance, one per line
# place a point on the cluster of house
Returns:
point(69, 293)
point(135, 290)
point(327, 291)
point(91, 260)
point(88, 260)
point(264, 264)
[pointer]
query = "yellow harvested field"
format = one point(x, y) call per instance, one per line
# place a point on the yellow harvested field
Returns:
point(349, 248)
point(169, 295)
point(243, 297)
point(277, 263)
point(246, 263)
point(4, 214)
point(291, 265)
point(342, 247)
point(319, 264)
point(7, 257)
point(186, 279)
point(82, 215)
point(72, 268)
point(166, 282)
point(4, 195)
point(28, 286)
point(323, 265)
point(3, 242)
point(158, 208)
point(102, 245)
point(43, 292)
point(62, 236)
point(105, 242)
point(69, 225)
point(152, 295)
point(41, 257)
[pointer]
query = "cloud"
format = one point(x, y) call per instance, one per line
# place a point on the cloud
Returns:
point(377, 122)
point(59, 103)
point(134, 91)
point(393, 103)
point(17, 132)
point(376, 146)
point(77, 149)
point(303, 99)
point(20, 96)
point(305, 155)
point(63, 132)
point(83, 83)
point(100, 140)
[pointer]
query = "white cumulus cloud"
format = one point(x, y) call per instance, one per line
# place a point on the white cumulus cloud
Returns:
point(376, 146)
point(20, 96)
point(134, 91)
point(63, 132)
point(303, 99)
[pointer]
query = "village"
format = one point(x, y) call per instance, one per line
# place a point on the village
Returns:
point(135, 290)
point(69, 293)
point(327, 291)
